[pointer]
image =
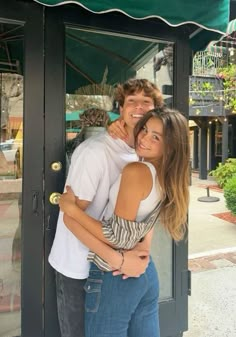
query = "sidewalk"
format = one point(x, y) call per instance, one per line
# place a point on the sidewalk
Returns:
point(206, 230)
point(212, 260)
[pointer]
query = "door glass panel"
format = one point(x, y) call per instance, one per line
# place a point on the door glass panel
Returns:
point(95, 63)
point(11, 155)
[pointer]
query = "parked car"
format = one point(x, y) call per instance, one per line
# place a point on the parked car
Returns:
point(11, 153)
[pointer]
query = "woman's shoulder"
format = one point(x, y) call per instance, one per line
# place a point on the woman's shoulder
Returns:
point(137, 170)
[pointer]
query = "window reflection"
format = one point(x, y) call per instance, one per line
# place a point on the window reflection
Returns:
point(11, 137)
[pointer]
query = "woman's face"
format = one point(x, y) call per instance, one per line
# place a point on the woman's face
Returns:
point(150, 140)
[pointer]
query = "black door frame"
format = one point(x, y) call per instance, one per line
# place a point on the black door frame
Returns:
point(173, 312)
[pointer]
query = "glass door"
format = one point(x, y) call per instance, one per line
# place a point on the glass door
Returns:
point(101, 54)
point(21, 162)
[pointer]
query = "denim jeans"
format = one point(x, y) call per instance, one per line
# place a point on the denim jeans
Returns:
point(119, 308)
point(70, 305)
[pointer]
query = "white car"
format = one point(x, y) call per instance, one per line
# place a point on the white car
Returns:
point(9, 150)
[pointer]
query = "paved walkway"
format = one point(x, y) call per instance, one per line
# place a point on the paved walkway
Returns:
point(212, 260)
point(208, 232)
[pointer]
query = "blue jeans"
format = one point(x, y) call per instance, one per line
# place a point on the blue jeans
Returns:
point(70, 305)
point(119, 308)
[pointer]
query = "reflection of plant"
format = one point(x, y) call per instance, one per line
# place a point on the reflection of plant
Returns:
point(93, 117)
point(224, 171)
point(228, 74)
point(202, 88)
point(93, 95)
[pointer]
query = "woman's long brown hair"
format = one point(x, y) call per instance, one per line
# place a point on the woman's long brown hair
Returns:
point(173, 169)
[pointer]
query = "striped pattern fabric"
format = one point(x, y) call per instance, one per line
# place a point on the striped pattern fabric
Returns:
point(124, 234)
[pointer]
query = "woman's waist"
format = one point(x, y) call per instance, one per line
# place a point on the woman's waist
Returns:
point(94, 267)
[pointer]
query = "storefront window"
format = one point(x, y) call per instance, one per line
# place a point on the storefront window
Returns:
point(11, 155)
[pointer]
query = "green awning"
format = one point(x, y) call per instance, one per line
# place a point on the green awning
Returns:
point(210, 16)
point(89, 56)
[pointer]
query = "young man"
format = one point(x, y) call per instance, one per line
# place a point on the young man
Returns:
point(95, 165)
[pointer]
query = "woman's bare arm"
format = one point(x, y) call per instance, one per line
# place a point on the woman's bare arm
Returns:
point(135, 185)
point(135, 262)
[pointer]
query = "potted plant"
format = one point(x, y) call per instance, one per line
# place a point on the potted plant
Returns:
point(93, 121)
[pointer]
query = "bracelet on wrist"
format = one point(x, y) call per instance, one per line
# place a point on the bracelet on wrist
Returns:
point(123, 259)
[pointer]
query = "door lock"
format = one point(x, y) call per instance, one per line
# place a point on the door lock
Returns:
point(56, 166)
point(54, 198)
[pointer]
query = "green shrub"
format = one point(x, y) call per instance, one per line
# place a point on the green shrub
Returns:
point(230, 194)
point(224, 172)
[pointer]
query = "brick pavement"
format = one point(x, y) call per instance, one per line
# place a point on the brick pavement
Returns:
point(212, 262)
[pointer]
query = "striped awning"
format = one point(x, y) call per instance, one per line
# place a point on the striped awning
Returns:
point(231, 28)
point(209, 16)
point(226, 41)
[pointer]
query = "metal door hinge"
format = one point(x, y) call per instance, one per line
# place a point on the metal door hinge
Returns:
point(189, 283)
point(186, 282)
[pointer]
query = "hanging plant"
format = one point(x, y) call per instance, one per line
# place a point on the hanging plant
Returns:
point(228, 75)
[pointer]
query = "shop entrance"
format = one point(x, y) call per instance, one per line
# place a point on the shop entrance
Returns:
point(50, 59)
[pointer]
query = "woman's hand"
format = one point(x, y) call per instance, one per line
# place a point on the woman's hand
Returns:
point(135, 263)
point(117, 129)
point(67, 201)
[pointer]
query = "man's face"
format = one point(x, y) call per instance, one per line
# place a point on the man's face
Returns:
point(135, 106)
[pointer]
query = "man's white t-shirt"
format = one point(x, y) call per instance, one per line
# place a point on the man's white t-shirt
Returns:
point(95, 165)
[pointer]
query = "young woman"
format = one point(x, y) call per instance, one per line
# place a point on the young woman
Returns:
point(114, 307)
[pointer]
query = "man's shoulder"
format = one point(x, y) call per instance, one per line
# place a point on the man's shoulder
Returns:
point(93, 146)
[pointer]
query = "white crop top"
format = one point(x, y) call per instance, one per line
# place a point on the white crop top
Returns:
point(146, 205)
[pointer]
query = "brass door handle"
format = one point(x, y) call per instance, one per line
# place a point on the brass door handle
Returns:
point(54, 198)
point(56, 166)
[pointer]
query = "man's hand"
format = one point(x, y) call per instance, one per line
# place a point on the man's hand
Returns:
point(117, 129)
point(135, 263)
point(67, 201)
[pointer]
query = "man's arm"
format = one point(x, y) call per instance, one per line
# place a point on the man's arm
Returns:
point(135, 262)
point(69, 205)
point(82, 204)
